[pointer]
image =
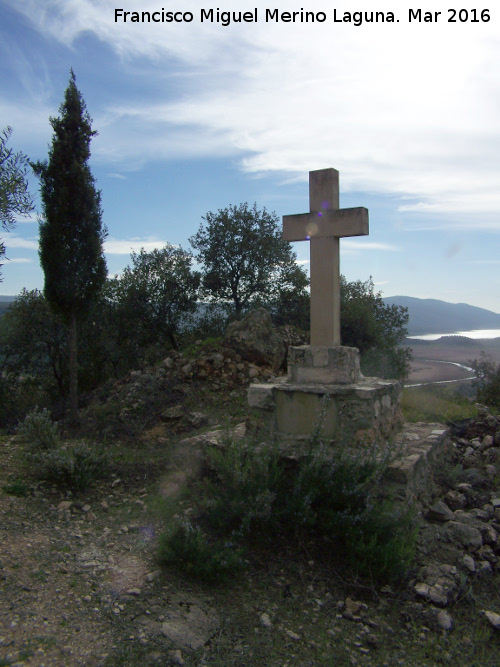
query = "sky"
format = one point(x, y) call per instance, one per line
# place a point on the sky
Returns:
point(193, 116)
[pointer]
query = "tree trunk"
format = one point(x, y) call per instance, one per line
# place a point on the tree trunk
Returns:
point(172, 339)
point(73, 369)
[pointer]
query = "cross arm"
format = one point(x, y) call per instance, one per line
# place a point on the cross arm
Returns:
point(338, 223)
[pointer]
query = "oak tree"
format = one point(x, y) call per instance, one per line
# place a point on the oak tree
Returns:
point(245, 260)
point(15, 198)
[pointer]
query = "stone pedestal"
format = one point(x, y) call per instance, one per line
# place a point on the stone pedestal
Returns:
point(326, 392)
point(319, 364)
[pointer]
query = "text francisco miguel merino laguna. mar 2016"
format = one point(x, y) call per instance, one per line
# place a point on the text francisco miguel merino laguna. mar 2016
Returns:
point(357, 18)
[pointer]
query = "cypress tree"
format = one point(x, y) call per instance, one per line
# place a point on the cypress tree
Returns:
point(71, 233)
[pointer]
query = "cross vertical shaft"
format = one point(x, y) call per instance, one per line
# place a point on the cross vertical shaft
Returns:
point(323, 226)
point(325, 262)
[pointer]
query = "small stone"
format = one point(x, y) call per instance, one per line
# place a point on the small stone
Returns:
point(486, 553)
point(468, 562)
point(105, 505)
point(444, 620)
point(88, 565)
point(489, 534)
point(354, 607)
point(455, 500)
point(134, 591)
point(151, 576)
point(464, 535)
point(484, 567)
point(86, 508)
point(439, 512)
point(487, 442)
point(493, 618)
point(176, 657)
point(173, 413)
point(64, 505)
point(293, 635)
point(265, 620)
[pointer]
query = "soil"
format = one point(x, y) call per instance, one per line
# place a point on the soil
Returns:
point(428, 356)
point(80, 585)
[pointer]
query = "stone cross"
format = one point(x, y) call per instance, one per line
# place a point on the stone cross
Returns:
point(324, 225)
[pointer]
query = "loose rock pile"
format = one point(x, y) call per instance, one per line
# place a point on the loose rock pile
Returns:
point(459, 539)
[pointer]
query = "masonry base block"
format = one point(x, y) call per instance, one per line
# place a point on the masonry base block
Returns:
point(343, 413)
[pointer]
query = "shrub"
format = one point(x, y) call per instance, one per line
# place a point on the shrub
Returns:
point(39, 431)
point(71, 466)
point(251, 492)
point(188, 549)
point(244, 486)
point(487, 381)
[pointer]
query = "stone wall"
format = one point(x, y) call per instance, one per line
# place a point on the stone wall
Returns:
point(345, 414)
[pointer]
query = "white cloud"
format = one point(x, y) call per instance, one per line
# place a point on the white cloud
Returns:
point(20, 260)
point(348, 244)
point(417, 119)
point(127, 246)
point(18, 242)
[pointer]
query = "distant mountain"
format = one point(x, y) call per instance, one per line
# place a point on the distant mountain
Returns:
point(433, 316)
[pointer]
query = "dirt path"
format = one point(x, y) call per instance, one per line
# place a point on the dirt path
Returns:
point(68, 570)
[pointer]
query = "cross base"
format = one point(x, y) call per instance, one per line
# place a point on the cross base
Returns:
point(321, 364)
point(346, 414)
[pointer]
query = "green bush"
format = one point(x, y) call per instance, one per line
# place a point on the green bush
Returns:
point(251, 493)
point(70, 466)
point(487, 381)
point(39, 431)
point(188, 549)
point(244, 487)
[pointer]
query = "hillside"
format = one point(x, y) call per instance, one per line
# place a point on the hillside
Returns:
point(434, 316)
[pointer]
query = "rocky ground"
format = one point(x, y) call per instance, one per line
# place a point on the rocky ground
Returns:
point(80, 584)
